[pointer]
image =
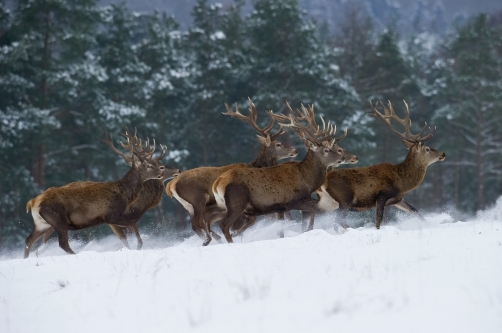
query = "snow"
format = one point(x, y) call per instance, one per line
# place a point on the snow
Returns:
point(438, 275)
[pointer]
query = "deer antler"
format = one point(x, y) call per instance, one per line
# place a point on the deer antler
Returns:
point(108, 141)
point(137, 146)
point(405, 122)
point(251, 119)
point(324, 136)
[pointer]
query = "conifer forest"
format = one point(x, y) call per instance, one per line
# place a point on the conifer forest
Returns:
point(73, 71)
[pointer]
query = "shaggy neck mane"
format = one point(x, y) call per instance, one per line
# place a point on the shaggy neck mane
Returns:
point(265, 158)
point(131, 184)
point(312, 170)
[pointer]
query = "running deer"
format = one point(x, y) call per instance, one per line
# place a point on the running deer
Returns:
point(283, 187)
point(193, 188)
point(348, 158)
point(385, 184)
point(67, 208)
point(149, 196)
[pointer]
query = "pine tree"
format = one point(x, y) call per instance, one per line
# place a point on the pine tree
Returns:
point(469, 92)
point(214, 52)
point(290, 63)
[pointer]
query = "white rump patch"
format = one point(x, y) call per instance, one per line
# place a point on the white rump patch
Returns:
point(40, 223)
point(326, 202)
point(183, 202)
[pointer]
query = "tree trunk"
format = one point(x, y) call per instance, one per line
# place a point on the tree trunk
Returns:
point(479, 163)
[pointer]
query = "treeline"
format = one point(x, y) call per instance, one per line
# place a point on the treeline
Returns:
point(71, 70)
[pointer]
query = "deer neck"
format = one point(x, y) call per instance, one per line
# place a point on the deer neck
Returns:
point(312, 170)
point(131, 184)
point(265, 158)
point(411, 171)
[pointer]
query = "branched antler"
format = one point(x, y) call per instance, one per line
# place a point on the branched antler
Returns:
point(251, 119)
point(135, 146)
point(390, 115)
point(109, 142)
point(311, 131)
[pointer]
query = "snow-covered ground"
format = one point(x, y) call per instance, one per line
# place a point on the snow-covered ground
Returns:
point(440, 275)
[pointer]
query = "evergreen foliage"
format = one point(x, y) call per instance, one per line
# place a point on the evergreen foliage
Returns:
point(71, 70)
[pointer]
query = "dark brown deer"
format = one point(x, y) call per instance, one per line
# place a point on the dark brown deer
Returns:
point(193, 188)
point(283, 187)
point(76, 208)
point(239, 228)
point(385, 184)
point(149, 196)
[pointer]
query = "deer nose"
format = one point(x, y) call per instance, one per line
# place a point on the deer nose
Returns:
point(294, 153)
point(355, 159)
point(442, 157)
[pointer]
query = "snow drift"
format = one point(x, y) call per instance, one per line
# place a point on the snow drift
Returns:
point(440, 275)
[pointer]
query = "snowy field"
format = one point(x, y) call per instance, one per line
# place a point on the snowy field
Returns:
point(440, 275)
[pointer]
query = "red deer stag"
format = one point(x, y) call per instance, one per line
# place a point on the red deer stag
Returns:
point(67, 208)
point(149, 196)
point(283, 187)
point(193, 188)
point(385, 184)
point(348, 158)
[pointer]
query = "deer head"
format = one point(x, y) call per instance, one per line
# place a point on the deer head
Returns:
point(321, 141)
point(265, 135)
point(140, 159)
point(414, 142)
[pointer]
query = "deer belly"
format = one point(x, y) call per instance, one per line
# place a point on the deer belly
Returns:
point(326, 202)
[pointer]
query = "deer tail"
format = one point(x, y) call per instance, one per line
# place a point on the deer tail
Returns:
point(29, 205)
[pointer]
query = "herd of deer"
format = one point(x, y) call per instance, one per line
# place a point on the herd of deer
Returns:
point(236, 194)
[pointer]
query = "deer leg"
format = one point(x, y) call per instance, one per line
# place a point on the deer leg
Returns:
point(250, 221)
point(236, 200)
point(380, 206)
point(57, 218)
point(138, 237)
point(63, 241)
point(308, 207)
point(119, 232)
point(406, 207)
point(342, 216)
point(31, 239)
point(211, 215)
point(200, 227)
point(288, 215)
point(45, 238)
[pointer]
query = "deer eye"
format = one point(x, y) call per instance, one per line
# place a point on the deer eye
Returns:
point(427, 149)
point(326, 150)
point(277, 144)
point(340, 150)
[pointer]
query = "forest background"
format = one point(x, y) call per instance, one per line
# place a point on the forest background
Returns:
point(71, 70)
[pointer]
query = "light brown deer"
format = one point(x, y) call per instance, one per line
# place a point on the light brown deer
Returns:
point(81, 207)
point(385, 184)
point(283, 187)
point(149, 196)
point(193, 188)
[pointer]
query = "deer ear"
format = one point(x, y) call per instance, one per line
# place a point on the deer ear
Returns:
point(136, 161)
point(128, 160)
point(310, 145)
point(408, 144)
point(264, 141)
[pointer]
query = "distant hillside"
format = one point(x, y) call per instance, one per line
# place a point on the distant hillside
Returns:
point(406, 15)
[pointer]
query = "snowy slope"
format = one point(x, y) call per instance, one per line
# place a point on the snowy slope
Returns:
point(411, 276)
